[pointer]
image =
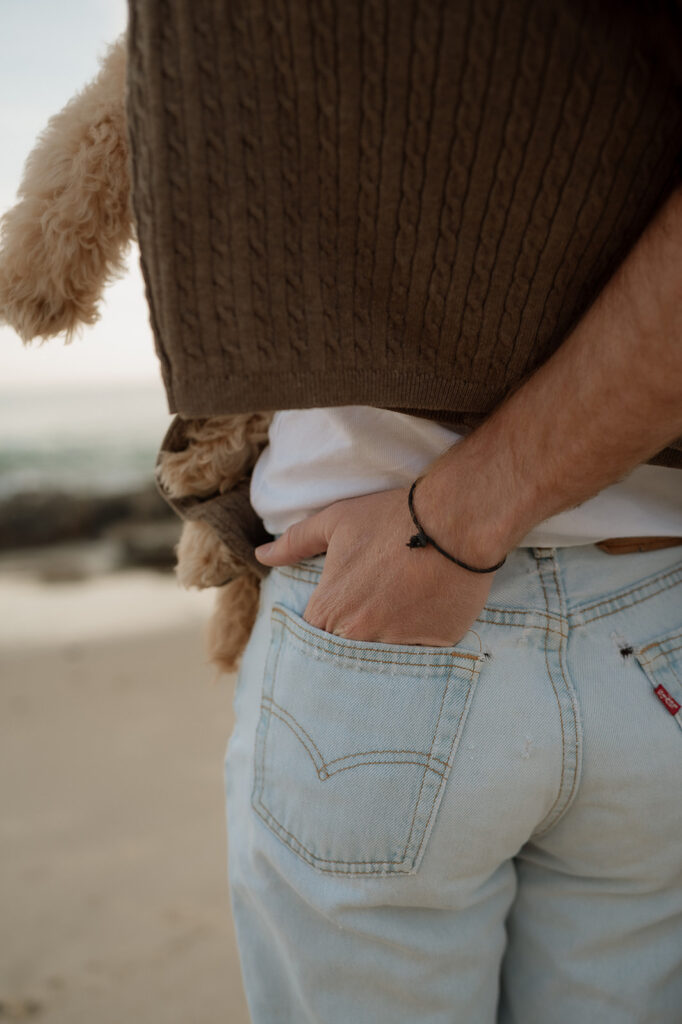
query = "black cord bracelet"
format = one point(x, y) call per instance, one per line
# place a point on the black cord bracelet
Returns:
point(420, 539)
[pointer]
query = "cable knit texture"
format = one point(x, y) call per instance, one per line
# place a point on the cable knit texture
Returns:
point(398, 203)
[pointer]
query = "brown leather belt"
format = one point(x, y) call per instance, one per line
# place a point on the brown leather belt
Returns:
point(627, 545)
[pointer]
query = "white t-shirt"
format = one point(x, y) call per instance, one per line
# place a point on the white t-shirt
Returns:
point(318, 456)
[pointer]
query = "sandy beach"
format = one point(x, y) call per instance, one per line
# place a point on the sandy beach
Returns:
point(113, 884)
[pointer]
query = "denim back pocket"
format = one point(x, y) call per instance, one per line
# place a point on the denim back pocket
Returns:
point(354, 744)
point(661, 660)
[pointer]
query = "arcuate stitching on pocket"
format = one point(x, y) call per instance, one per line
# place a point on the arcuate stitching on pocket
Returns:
point(274, 708)
point(417, 764)
point(417, 753)
point(324, 769)
point(462, 667)
point(268, 816)
point(266, 813)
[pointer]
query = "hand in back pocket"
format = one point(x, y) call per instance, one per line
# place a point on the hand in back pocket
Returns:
point(355, 743)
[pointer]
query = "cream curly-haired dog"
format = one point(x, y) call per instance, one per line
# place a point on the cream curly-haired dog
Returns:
point(60, 245)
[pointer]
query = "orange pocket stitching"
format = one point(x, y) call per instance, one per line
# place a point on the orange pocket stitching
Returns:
point(317, 643)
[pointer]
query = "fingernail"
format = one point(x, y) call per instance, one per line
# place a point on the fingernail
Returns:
point(264, 549)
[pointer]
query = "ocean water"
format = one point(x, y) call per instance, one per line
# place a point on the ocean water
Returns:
point(86, 439)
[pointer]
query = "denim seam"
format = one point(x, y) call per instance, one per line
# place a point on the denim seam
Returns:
point(444, 776)
point(580, 610)
point(298, 569)
point(521, 611)
point(672, 667)
point(561, 714)
point(547, 630)
point(658, 643)
point(552, 817)
point(301, 575)
point(655, 578)
point(514, 625)
point(421, 787)
point(427, 661)
point(575, 613)
point(630, 604)
point(572, 697)
point(259, 780)
point(266, 814)
point(663, 653)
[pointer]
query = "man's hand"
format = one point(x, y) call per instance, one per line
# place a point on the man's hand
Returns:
point(374, 587)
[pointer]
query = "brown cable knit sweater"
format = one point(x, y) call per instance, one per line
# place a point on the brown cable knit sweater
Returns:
point(400, 203)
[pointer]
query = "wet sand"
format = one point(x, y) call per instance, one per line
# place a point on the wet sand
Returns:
point(113, 884)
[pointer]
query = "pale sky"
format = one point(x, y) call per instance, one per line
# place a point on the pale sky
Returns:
point(49, 49)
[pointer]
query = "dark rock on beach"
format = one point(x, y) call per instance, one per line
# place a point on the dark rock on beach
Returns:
point(48, 517)
point(147, 543)
point(72, 534)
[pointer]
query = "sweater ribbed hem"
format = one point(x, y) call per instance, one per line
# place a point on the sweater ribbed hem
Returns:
point(211, 394)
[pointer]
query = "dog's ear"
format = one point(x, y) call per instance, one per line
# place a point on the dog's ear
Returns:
point(66, 237)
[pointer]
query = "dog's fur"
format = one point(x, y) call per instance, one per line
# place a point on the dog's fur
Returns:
point(63, 241)
point(67, 235)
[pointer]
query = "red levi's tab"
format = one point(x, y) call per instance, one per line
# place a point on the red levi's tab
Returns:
point(665, 699)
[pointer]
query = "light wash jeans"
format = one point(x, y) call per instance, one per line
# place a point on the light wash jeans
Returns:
point(487, 832)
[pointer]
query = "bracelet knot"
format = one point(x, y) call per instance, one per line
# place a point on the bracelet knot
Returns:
point(418, 540)
point(421, 538)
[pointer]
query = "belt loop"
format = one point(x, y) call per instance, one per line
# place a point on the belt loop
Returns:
point(544, 552)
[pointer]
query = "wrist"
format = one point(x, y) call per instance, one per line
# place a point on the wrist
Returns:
point(422, 539)
point(457, 527)
point(469, 501)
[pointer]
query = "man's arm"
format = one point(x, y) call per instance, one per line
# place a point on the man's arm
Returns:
point(608, 399)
